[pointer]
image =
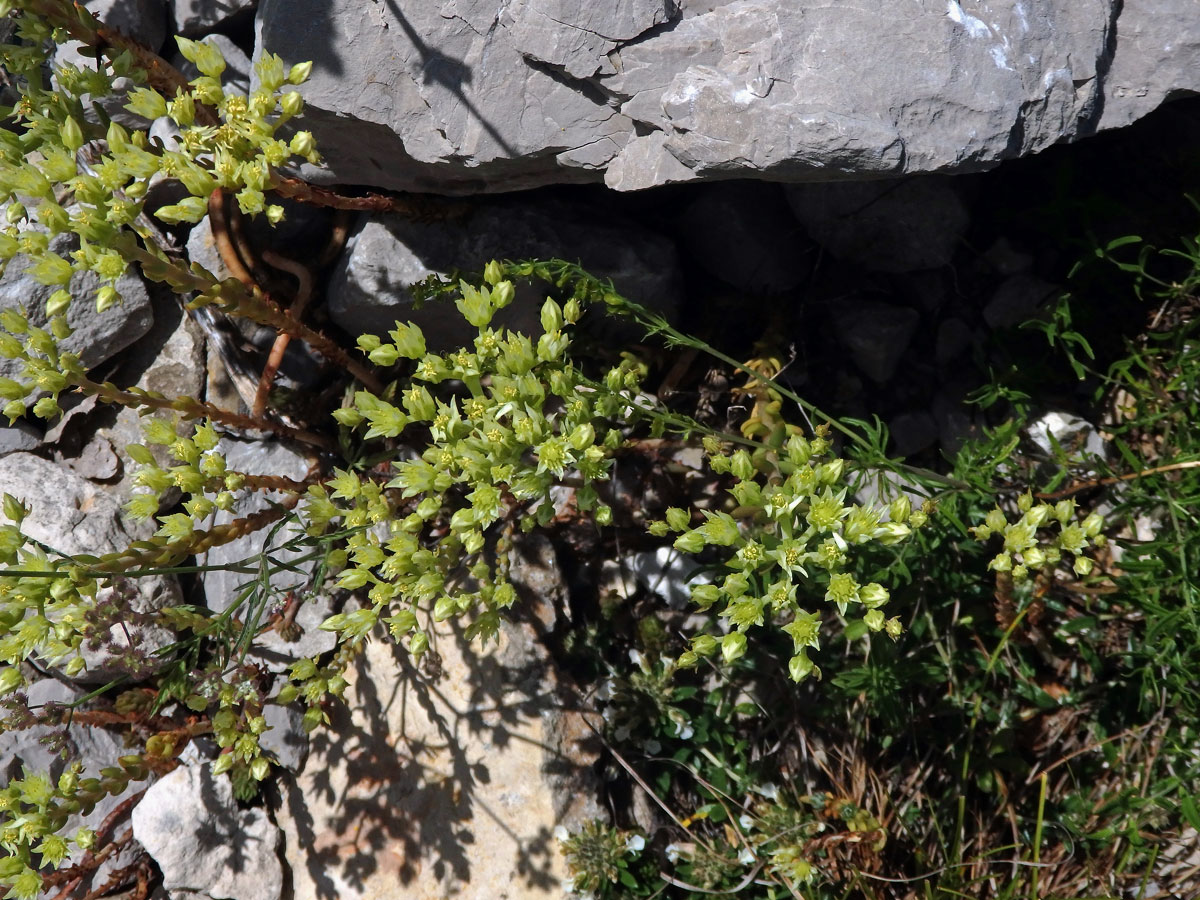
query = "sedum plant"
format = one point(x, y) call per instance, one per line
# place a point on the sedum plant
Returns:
point(444, 456)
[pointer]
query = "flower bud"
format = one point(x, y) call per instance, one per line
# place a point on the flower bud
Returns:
point(873, 595)
point(116, 136)
point(1038, 515)
point(800, 667)
point(106, 298)
point(71, 134)
point(502, 294)
point(291, 103)
point(741, 466)
point(10, 680)
point(298, 74)
point(57, 303)
point(733, 646)
point(493, 273)
point(418, 644)
point(552, 319)
point(705, 595)
point(303, 143)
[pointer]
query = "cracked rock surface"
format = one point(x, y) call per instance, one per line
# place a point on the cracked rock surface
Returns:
point(467, 96)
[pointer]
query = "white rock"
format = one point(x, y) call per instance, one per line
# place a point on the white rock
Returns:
point(1075, 437)
point(74, 515)
point(191, 826)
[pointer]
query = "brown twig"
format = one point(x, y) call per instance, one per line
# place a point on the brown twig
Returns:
point(296, 310)
point(416, 206)
point(1116, 479)
point(219, 222)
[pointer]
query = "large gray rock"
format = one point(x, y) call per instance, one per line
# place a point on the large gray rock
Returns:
point(97, 336)
point(198, 16)
point(745, 235)
point(385, 256)
point(1156, 58)
point(143, 20)
point(224, 588)
point(46, 749)
point(72, 515)
point(470, 96)
point(190, 824)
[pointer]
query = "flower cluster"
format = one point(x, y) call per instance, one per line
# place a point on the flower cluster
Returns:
point(598, 858)
point(1028, 549)
point(789, 539)
point(502, 423)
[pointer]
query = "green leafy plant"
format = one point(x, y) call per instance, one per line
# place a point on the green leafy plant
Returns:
point(433, 464)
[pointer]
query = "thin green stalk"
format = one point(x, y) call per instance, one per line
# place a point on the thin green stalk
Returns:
point(1037, 837)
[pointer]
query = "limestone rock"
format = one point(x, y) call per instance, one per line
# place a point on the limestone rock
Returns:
point(744, 234)
point(368, 292)
point(198, 16)
point(470, 96)
point(443, 780)
point(143, 20)
point(95, 748)
point(224, 588)
point(20, 435)
point(1060, 433)
point(73, 515)
point(1156, 58)
point(191, 826)
point(1016, 299)
point(168, 359)
point(97, 336)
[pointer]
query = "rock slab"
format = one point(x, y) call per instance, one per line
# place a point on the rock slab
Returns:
point(443, 780)
point(469, 96)
point(191, 826)
point(73, 515)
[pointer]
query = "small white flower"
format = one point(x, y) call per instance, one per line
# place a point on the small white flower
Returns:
point(605, 691)
point(747, 857)
point(561, 834)
point(635, 657)
point(768, 790)
point(674, 853)
point(683, 728)
point(745, 821)
point(635, 843)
